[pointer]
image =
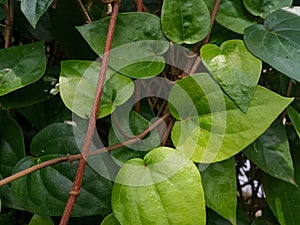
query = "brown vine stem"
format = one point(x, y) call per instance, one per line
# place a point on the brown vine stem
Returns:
point(84, 11)
point(71, 158)
point(139, 5)
point(75, 191)
point(9, 9)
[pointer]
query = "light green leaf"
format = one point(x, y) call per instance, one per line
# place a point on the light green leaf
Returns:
point(185, 21)
point(219, 184)
point(295, 118)
point(34, 9)
point(40, 220)
point(235, 68)
point(271, 153)
point(211, 127)
point(263, 8)
point(124, 128)
point(110, 220)
point(20, 66)
point(277, 42)
point(282, 197)
point(46, 191)
point(136, 46)
point(164, 188)
point(78, 81)
point(232, 15)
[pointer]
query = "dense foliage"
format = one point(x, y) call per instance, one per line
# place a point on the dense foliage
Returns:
point(211, 87)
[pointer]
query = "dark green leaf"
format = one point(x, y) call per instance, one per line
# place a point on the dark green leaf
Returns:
point(3, 1)
point(211, 127)
point(110, 220)
point(164, 188)
point(78, 81)
point(20, 66)
point(232, 15)
point(137, 45)
point(219, 184)
point(276, 42)
point(124, 128)
point(282, 197)
point(46, 191)
point(34, 9)
point(40, 220)
point(185, 21)
point(271, 153)
point(2, 13)
point(235, 68)
point(295, 118)
point(263, 8)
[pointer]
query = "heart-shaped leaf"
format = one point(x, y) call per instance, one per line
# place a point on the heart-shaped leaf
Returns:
point(263, 8)
point(34, 9)
point(20, 66)
point(295, 118)
point(277, 41)
point(185, 21)
point(136, 47)
point(232, 15)
point(164, 188)
point(78, 81)
point(235, 68)
point(46, 191)
point(211, 127)
point(271, 153)
point(219, 184)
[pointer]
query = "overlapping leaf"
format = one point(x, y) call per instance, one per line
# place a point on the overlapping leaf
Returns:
point(277, 41)
point(211, 127)
point(110, 220)
point(164, 188)
point(78, 81)
point(46, 191)
point(185, 21)
point(271, 153)
point(295, 118)
point(40, 220)
point(136, 47)
point(20, 66)
point(235, 68)
point(219, 184)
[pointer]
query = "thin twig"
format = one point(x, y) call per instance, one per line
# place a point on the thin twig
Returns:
point(9, 9)
point(139, 5)
point(86, 15)
point(75, 191)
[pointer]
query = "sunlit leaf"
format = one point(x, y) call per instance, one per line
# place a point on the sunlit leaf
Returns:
point(40, 220)
point(110, 220)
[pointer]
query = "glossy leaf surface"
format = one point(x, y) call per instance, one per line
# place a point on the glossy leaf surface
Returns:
point(185, 21)
point(159, 190)
point(210, 126)
point(232, 15)
point(78, 81)
point(277, 41)
point(219, 184)
point(136, 47)
point(263, 8)
point(20, 66)
point(271, 153)
point(235, 68)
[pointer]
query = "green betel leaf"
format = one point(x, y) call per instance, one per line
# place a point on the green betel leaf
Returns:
point(211, 127)
point(12, 149)
point(34, 9)
point(110, 220)
point(295, 118)
point(45, 191)
point(219, 184)
point(20, 66)
point(263, 8)
point(235, 68)
point(137, 45)
point(282, 197)
point(123, 129)
point(40, 220)
point(164, 188)
point(277, 42)
point(271, 153)
point(78, 81)
point(185, 21)
point(232, 15)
